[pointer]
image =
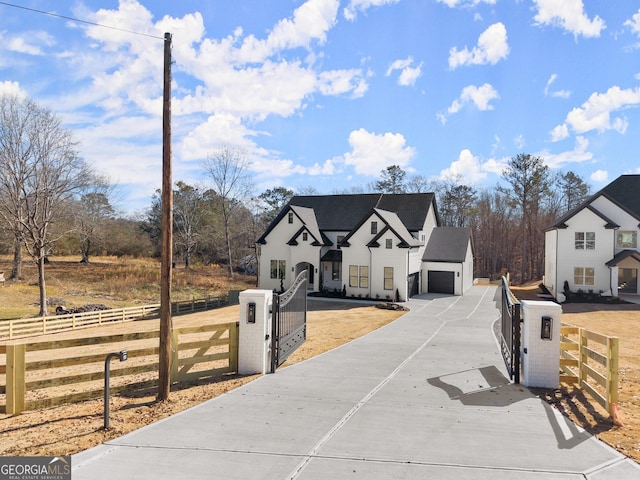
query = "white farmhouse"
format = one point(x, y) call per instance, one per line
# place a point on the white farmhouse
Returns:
point(594, 248)
point(367, 246)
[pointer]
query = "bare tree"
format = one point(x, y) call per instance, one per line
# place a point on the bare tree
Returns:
point(92, 214)
point(188, 219)
point(529, 179)
point(228, 169)
point(41, 172)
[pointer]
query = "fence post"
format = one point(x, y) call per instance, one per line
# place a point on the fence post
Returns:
point(15, 379)
point(584, 359)
point(175, 355)
point(234, 339)
point(612, 374)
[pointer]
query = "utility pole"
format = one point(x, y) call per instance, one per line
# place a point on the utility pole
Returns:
point(166, 327)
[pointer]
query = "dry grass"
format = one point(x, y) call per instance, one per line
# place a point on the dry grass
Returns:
point(622, 321)
point(115, 282)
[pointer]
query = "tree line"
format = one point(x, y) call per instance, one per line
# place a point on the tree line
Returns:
point(52, 202)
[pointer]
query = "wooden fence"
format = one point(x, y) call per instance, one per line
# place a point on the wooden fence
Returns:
point(28, 327)
point(590, 360)
point(41, 374)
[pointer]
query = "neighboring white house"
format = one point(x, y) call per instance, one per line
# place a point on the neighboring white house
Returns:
point(369, 246)
point(595, 246)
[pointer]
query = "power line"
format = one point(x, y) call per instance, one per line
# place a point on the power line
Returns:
point(51, 14)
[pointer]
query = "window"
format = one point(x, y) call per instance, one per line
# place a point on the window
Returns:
point(389, 243)
point(584, 276)
point(278, 269)
point(353, 275)
point(290, 217)
point(388, 278)
point(626, 239)
point(374, 228)
point(364, 277)
point(339, 240)
point(359, 276)
point(585, 240)
point(335, 270)
point(305, 236)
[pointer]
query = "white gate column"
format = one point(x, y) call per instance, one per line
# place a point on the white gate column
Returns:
point(254, 345)
point(541, 343)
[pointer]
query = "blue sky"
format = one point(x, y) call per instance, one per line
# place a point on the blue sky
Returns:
point(327, 93)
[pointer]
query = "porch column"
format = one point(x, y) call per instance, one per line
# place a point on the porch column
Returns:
point(614, 280)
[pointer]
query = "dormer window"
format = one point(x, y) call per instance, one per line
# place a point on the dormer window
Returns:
point(389, 243)
point(374, 228)
point(305, 236)
point(290, 217)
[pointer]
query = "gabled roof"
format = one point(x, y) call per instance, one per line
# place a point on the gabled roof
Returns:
point(307, 217)
point(393, 224)
point(624, 254)
point(624, 191)
point(343, 213)
point(562, 222)
point(448, 244)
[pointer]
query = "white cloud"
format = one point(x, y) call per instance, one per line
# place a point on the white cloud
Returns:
point(480, 97)
point(599, 176)
point(579, 154)
point(555, 93)
point(560, 132)
point(408, 74)
point(350, 12)
point(12, 88)
point(569, 15)
point(467, 167)
point(634, 23)
point(465, 3)
point(30, 42)
point(338, 82)
point(595, 113)
point(491, 48)
point(372, 153)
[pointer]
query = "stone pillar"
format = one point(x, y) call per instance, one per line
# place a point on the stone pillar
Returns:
point(254, 344)
point(541, 356)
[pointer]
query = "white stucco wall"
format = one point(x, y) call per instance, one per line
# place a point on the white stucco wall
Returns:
point(570, 257)
point(276, 248)
point(550, 257)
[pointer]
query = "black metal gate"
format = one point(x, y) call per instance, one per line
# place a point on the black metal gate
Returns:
point(510, 332)
point(288, 321)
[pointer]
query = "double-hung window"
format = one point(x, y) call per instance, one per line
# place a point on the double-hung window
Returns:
point(388, 278)
point(584, 276)
point(585, 240)
point(278, 269)
point(359, 276)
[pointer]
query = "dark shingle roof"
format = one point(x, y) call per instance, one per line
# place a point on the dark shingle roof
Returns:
point(447, 244)
point(344, 212)
point(625, 191)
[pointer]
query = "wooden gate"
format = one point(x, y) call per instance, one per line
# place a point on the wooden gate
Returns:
point(289, 321)
point(510, 332)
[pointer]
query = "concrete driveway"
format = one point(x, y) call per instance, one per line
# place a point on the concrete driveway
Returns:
point(423, 397)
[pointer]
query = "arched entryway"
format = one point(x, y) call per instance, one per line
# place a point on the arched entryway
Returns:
point(312, 275)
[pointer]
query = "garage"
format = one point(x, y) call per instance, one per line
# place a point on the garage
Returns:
point(441, 282)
